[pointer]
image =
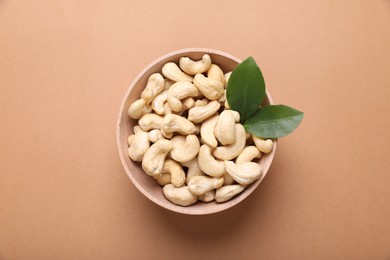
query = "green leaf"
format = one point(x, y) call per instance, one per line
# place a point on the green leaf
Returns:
point(246, 88)
point(274, 121)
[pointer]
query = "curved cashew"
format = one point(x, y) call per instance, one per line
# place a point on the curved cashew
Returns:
point(158, 102)
point(231, 151)
point(188, 103)
point(150, 121)
point(216, 73)
point(167, 109)
point(155, 135)
point(153, 161)
point(163, 179)
point(199, 114)
point(184, 148)
point(178, 176)
point(193, 169)
point(130, 139)
point(227, 104)
point(225, 130)
point(244, 173)
point(208, 164)
point(227, 192)
point(210, 88)
point(248, 154)
point(154, 86)
point(207, 131)
point(165, 134)
point(264, 146)
point(178, 91)
point(138, 108)
point(173, 72)
point(139, 145)
point(201, 102)
point(179, 196)
point(199, 185)
point(168, 83)
point(228, 180)
point(207, 197)
point(222, 98)
point(194, 67)
point(174, 123)
point(227, 77)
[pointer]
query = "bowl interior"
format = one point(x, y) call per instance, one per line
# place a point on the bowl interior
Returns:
point(146, 184)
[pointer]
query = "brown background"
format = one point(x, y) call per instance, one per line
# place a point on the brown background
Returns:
point(65, 65)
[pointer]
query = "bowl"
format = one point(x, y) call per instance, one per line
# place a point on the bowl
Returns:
point(148, 185)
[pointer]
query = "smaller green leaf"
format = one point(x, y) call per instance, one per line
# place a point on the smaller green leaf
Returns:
point(274, 121)
point(246, 88)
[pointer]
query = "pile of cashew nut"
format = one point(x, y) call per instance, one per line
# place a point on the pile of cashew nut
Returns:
point(188, 139)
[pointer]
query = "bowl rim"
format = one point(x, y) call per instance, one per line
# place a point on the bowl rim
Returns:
point(173, 207)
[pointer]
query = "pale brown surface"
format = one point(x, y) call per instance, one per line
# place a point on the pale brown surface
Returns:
point(65, 66)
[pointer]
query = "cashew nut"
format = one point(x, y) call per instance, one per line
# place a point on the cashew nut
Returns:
point(207, 197)
point(201, 102)
point(173, 72)
point(227, 77)
point(244, 173)
point(207, 131)
point(168, 83)
point(139, 145)
point(199, 185)
point(138, 108)
point(264, 146)
point(225, 130)
point(165, 134)
point(193, 169)
point(154, 86)
point(227, 104)
point(158, 102)
point(163, 179)
point(248, 154)
point(150, 121)
point(178, 91)
point(216, 73)
point(130, 139)
point(188, 103)
point(199, 114)
point(229, 152)
point(194, 67)
point(210, 88)
point(180, 196)
point(174, 123)
point(178, 176)
point(155, 135)
point(153, 161)
point(222, 98)
point(227, 192)
point(208, 164)
point(227, 179)
point(167, 109)
point(184, 148)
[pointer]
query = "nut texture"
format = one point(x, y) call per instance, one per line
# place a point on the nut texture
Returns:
point(227, 192)
point(199, 185)
point(153, 161)
point(244, 173)
point(180, 196)
point(208, 164)
point(184, 148)
point(199, 114)
point(231, 151)
point(154, 86)
point(173, 72)
point(210, 88)
point(194, 67)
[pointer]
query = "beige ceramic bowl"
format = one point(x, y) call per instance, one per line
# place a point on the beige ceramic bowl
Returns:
point(146, 184)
